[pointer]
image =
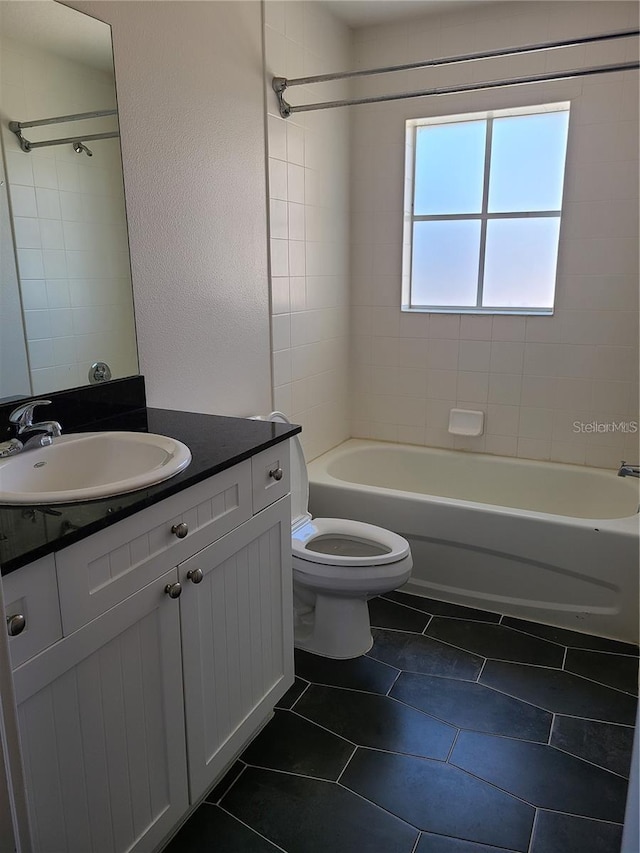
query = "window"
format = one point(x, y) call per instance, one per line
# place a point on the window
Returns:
point(483, 202)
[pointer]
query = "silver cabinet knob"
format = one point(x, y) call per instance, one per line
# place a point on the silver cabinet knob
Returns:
point(16, 624)
point(180, 530)
point(276, 473)
point(195, 575)
point(173, 590)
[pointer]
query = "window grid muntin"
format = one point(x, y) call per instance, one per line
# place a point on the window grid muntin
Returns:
point(484, 216)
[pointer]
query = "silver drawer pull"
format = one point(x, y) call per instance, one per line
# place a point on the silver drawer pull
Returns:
point(16, 624)
point(173, 590)
point(276, 473)
point(180, 530)
point(195, 575)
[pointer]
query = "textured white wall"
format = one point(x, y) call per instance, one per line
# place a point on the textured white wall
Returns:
point(534, 376)
point(190, 99)
point(309, 225)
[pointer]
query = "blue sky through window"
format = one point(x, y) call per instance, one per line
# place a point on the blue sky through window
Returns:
point(526, 175)
point(450, 168)
point(527, 162)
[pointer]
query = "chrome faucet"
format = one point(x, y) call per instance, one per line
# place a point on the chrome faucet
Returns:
point(30, 434)
point(628, 470)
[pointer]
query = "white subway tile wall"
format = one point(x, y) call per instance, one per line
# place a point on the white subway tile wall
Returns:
point(69, 221)
point(537, 378)
point(309, 225)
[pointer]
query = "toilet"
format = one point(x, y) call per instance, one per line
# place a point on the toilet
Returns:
point(338, 564)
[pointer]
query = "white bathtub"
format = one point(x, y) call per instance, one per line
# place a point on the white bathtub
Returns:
point(545, 541)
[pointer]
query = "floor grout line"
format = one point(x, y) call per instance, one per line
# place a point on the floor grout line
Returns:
point(533, 831)
point(259, 834)
point(355, 749)
point(395, 681)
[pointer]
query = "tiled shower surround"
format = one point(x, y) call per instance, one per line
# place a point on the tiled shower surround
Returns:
point(533, 377)
point(461, 731)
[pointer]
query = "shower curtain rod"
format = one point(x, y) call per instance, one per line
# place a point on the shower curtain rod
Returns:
point(280, 84)
point(18, 125)
point(26, 145)
point(287, 109)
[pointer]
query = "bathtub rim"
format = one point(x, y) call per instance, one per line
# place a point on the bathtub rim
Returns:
point(318, 473)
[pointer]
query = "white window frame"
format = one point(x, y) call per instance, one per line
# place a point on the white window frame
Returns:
point(484, 216)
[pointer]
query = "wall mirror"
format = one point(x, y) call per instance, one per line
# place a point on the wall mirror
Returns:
point(65, 282)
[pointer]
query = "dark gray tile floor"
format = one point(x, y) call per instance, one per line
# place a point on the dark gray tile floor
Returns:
point(460, 732)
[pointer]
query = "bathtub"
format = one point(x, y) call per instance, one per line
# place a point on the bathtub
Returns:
point(550, 542)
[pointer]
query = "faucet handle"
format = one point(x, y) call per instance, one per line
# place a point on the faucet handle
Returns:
point(23, 416)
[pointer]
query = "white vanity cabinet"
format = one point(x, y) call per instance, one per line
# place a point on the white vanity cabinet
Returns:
point(141, 699)
point(102, 730)
point(237, 639)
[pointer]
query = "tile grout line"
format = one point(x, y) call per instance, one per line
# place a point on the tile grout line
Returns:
point(355, 749)
point(226, 791)
point(579, 816)
point(298, 698)
point(259, 834)
point(479, 675)
point(533, 831)
point(417, 841)
point(453, 746)
point(324, 728)
point(395, 681)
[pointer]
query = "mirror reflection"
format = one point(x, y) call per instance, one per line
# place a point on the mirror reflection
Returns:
point(65, 284)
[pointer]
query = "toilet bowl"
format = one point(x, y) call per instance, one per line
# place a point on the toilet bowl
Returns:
point(338, 564)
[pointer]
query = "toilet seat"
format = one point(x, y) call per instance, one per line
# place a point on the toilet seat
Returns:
point(392, 548)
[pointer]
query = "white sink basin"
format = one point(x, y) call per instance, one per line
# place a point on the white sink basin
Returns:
point(85, 466)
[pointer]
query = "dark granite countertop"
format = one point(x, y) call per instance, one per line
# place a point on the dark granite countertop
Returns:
point(216, 443)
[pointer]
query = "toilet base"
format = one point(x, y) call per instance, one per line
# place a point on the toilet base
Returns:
point(337, 627)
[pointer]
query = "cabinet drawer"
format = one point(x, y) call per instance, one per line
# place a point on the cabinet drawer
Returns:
point(32, 592)
point(266, 467)
point(98, 572)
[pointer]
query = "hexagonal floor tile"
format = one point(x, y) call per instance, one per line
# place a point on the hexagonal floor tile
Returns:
point(560, 832)
point(470, 705)
point(606, 744)
point(416, 653)
point(561, 692)
point(211, 828)
point(377, 721)
point(441, 608)
point(439, 798)
point(388, 614)
point(542, 775)
point(618, 671)
point(295, 745)
point(306, 814)
point(439, 844)
point(573, 639)
point(361, 673)
point(496, 641)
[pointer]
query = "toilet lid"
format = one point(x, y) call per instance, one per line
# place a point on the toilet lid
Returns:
point(299, 478)
point(343, 542)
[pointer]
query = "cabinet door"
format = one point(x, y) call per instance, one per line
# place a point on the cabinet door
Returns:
point(102, 730)
point(237, 639)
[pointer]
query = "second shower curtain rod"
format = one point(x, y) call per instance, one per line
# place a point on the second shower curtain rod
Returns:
point(280, 84)
point(27, 146)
